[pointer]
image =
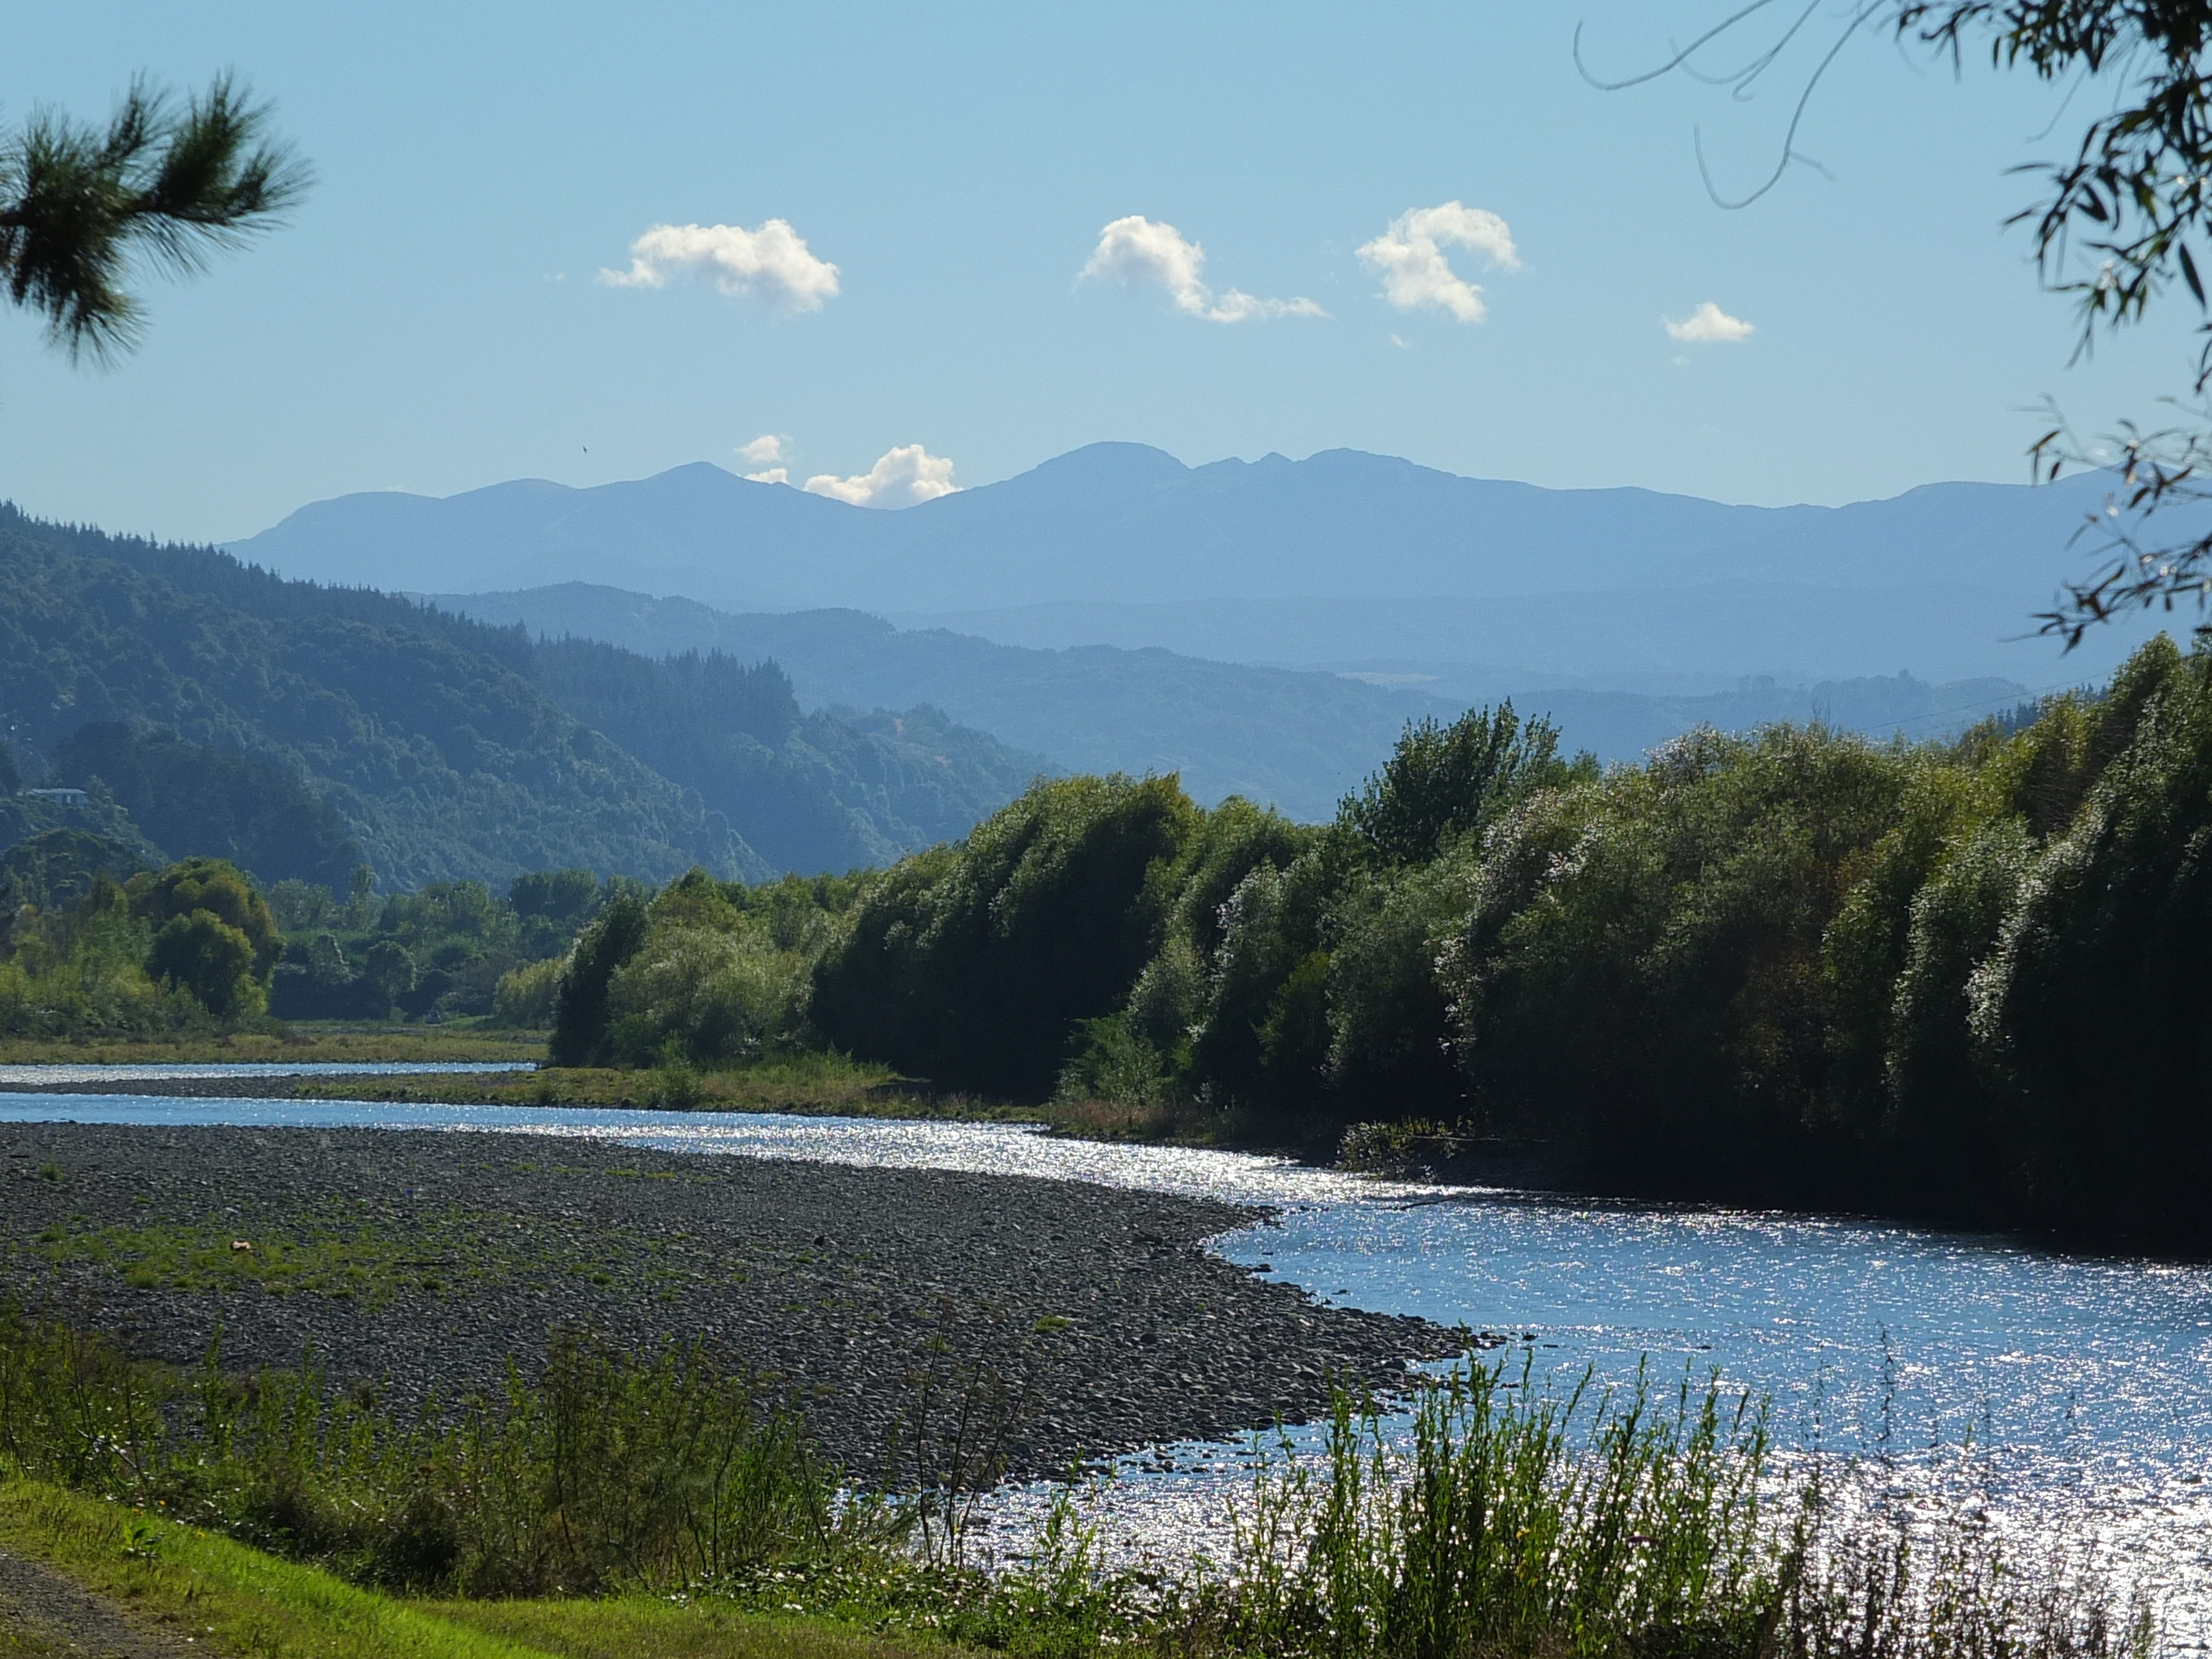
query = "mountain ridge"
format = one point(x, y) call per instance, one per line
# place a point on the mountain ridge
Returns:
point(1129, 544)
point(1341, 521)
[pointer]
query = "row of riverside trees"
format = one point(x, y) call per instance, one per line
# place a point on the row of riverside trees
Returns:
point(95, 941)
point(189, 945)
point(1967, 979)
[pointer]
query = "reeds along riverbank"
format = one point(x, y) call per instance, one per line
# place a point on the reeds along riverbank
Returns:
point(1512, 1520)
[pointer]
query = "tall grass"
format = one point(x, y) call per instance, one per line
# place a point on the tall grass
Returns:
point(1510, 1521)
point(1629, 1523)
point(607, 1470)
point(1513, 1521)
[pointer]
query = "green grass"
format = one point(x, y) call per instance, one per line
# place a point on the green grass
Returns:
point(350, 1259)
point(811, 1084)
point(636, 1627)
point(345, 1044)
point(818, 1084)
point(228, 1597)
point(232, 1599)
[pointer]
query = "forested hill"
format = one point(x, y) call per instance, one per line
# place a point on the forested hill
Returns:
point(286, 723)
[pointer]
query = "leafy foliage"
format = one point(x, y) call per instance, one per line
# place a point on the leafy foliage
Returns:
point(56, 868)
point(1961, 979)
point(1445, 781)
point(189, 945)
point(444, 950)
point(704, 972)
point(973, 964)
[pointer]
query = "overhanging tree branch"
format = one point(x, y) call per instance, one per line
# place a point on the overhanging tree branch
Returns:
point(2121, 221)
point(169, 184)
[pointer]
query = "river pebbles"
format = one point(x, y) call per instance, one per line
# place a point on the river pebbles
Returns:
point(846, 1289)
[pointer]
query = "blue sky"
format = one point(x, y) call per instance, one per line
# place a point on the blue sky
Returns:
point(435, 319)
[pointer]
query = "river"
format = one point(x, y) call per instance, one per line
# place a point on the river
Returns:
point(2062, 1389)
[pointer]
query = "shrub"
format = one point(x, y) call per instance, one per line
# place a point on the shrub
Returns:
point(213, 960)
point(974, 965)
point(524, 995)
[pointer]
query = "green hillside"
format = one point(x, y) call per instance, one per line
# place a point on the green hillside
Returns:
point(296, 728)
point(811, 791)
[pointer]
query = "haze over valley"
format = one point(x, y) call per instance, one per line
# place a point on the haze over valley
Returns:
point(1265, 629)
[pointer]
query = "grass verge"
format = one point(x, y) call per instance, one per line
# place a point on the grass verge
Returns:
point(229, 1598)
point(637, 1627)
point(220, 1593)
point(808, 1085)
point(288, 1045)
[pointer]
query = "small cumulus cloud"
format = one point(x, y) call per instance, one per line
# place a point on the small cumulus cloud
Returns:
point(772, 264)
point(765, 452)
point(1708, 326)
point(902, 477)
point(1141, 250)
point(1410, 259)
point(1398, 342)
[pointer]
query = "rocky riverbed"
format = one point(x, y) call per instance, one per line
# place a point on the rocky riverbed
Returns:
point(418, 1263)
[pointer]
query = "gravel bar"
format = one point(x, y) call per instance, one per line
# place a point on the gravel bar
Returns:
point(419, 1263)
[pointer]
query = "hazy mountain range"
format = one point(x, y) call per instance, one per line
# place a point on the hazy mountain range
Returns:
point(1345, 560)
point(1298, 739)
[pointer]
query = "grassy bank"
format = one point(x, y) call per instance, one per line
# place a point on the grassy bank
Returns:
point(343, 1045)
point(822, 1085)
point(804, 1082)
point(626, 1507)
point(807, 1082)
point(228, 1597)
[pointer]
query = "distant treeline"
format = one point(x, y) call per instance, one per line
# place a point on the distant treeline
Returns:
point(1966, 980)
point(95, 941)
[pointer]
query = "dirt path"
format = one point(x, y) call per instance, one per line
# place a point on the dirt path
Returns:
point(43, 1613)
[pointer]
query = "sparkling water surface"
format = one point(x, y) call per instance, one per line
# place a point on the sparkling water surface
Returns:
point(2061, 1389)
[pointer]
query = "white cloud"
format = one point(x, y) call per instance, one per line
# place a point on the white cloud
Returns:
point(902, 477)
point(768, 447)
point(1139, 250)
point(771, 264)
point(1410, 259)
point(1708, 326)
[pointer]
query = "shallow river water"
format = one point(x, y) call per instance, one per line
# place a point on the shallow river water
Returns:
point(2082, 1382)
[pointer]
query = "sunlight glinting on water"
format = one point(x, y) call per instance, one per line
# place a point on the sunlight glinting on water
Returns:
point(2081, 1384)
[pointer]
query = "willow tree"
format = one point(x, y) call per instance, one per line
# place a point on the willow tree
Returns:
point(2123, 217)
point(164, 184)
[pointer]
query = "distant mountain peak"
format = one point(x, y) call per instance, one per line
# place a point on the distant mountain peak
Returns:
point(1120, 523)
